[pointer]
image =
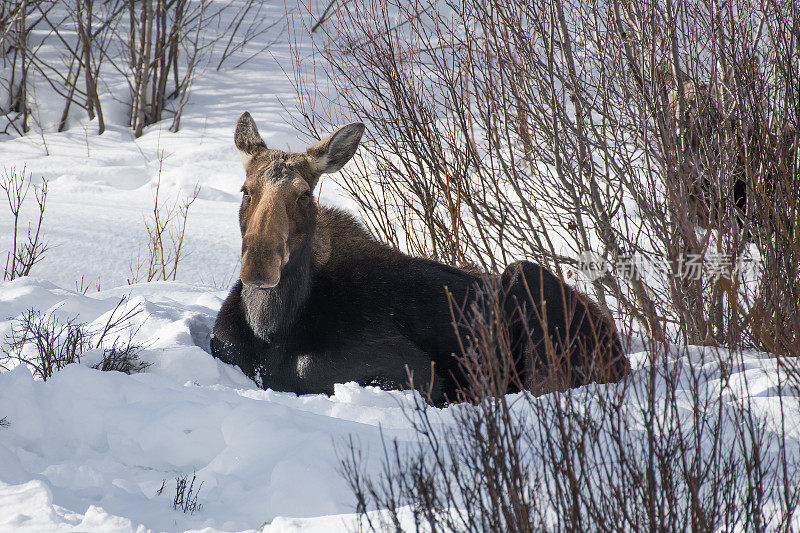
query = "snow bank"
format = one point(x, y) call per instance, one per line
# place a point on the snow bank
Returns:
point(100, 444)
point(89, 450)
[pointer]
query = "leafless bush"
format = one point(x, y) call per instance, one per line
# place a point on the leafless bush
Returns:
point(165, 231)
point(249, 25)
point(185, 494)
point(562, 130)
point(47, 344)
point(4, 423)
point(169, 41)
point(158, 31)
point(83, 286)
point(95, 27)
point(122, 357)
point(28, 250)
point(71, 25)
point(157, 45)
point(85, 33)
point(18, 19)
point(678, 445)
point(54, 344)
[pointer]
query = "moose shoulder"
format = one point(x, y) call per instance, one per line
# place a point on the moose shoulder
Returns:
point(319, 301)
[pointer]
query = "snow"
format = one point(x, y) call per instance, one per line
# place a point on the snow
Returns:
point(89, 450)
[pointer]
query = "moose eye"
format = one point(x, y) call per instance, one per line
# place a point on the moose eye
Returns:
point(305, 196)
point(245, 192)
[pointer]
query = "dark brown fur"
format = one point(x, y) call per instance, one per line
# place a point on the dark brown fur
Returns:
point(321, 302)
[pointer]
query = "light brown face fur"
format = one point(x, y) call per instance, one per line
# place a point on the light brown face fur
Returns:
point(277, 216)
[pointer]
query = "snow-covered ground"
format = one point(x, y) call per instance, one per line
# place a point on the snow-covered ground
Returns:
point(89, 450)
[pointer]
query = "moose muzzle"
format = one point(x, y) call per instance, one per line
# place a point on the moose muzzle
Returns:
point(262, 264)
point(264, 245)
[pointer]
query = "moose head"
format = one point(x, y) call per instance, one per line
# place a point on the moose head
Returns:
point(278, 214)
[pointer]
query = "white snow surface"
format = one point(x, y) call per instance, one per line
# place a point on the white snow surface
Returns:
point(89, 450)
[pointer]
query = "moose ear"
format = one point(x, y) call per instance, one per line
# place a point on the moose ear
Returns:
point(329, 155)
point(247, 139)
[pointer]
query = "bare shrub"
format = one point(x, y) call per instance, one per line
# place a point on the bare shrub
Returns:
point(18, 20)
point(82, 31)
point(55, 344)
point(562, 130)
point(26, 250)
point(158, 30)
point(83, 286)
point(186, 494)
point(168, 42)
point(249, 25)
point(95, 26)
point(4, 422)
point(165, 231)
point(122, 357)
point(613, 133)
point(678, 445)
point(46, 344)
point(158, 46)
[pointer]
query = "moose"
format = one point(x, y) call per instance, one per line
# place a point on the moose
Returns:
point(320, 301)
point(734, 159)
